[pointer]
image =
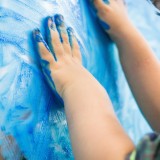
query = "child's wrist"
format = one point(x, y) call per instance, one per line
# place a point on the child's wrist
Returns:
point(122, 32)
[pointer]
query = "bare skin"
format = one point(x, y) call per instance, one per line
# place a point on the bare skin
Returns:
point(94, 129)
point(141, 67)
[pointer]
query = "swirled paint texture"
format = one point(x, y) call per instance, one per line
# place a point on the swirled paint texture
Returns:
point(29, 110)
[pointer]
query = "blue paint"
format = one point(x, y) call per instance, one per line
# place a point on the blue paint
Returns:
point(52, 26)
point(106, 1)
point(59, 20)
point(39, 38)
point(45, 64)
point(30, 110)
point(104, 25)
point(48, 34)
point(47, 73)
point(71, 35)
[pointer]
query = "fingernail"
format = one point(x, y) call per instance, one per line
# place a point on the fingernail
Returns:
point(37, 35)
point(51, 23)
point(59, 19)
point(70, 31)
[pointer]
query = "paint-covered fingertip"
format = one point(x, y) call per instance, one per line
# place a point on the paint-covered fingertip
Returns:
point(104, 25)
point(37, 35)
point(50, 18)
point(51, 23)
point(70, 31)
point(59, 19)
point(36, 31)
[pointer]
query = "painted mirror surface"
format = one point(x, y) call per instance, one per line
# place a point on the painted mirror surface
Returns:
point(29, 111)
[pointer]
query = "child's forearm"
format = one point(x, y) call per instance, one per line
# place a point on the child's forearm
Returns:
point(141, 67)
point(95, 131)
point(142, 70)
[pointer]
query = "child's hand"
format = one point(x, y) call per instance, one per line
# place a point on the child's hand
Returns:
point(61, 58)
point(112, 14)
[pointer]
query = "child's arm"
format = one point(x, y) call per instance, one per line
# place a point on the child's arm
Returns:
point(94, 129)
point(142, 70)
point(141, 67)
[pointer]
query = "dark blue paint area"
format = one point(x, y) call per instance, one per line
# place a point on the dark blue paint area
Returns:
point(104, 25)
point(49, 80)
point(45, 66)
point(30, 109)
point(59, 20)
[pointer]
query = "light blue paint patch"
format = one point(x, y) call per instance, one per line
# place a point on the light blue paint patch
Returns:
point(29, 109)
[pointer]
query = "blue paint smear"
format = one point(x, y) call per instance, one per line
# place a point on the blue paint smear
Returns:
point(28, 109)
point(106, 1)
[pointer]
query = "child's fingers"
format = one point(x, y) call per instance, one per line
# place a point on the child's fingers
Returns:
point(101, 4)
point(43, 49)
point(54, 39)
point(74, 44)
point(59, 20)
point(101, 8)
